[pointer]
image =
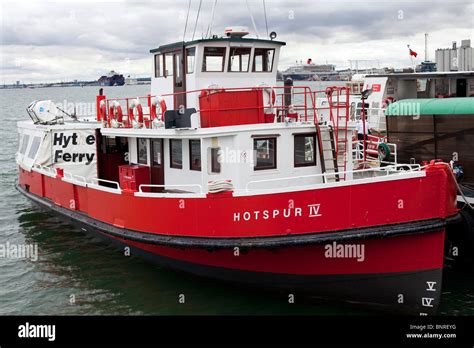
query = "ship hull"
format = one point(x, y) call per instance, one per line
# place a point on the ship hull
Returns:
point(401, 270)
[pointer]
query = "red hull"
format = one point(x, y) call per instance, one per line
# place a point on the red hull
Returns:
point(394, 264)
point(333, 209)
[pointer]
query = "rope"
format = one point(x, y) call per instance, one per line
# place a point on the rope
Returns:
point(187, 17)
point(461, 193)
point(197, 18)
point(253, 20)
point(209, 28)
point(265, 15)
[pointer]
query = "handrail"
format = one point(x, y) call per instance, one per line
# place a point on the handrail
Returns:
point(75, 177)
point(300, 90)
point(106, 181)
point(51, 171)
point(176, 185)
point(324, 175)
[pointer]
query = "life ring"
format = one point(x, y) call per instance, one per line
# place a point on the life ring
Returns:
point(384, 152)
point(387, 101)
point(103, 111)
point(157, 117)
point(135, 113)
point(269, 98)
point(115, 114)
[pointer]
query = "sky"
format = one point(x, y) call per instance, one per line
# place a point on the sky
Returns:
point(52, 40)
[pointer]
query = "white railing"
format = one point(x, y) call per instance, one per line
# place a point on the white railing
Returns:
point(140, 188)
point(48, 171)
point(383, 171)
point(372, 154)
point(96, 181)
point(75, 179)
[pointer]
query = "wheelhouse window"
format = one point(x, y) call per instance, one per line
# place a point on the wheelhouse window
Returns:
point(265, 153)
point(239, 59)
point(176, 153)
point(142, 151)
point(24, 144)
point(34, 147)
point(159, 65)
point(215, 160)
point(213, 59)
point(195, 154)
point(263, 59)
point(190, 59)
point(305, 150)
point(168, 64)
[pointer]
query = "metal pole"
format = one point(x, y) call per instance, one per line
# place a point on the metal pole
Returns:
point(363, 128)
point(288, 84)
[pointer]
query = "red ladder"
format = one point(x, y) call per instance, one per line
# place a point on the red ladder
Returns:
point(338, 100)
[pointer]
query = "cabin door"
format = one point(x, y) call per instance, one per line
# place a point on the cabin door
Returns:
point(179, 81)
point(461, 88)
point(157, 169)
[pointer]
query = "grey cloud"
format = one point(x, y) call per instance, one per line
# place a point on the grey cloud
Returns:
point(108, 32)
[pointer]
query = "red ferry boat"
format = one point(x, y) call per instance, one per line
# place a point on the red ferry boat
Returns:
point(221, 173)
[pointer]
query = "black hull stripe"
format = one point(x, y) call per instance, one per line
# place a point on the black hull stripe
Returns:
point(375, 232)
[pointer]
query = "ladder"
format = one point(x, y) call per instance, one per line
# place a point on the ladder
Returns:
point(329, 152)
point(338, 100)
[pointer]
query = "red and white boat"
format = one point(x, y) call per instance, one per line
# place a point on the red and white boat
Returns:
point(221, 173)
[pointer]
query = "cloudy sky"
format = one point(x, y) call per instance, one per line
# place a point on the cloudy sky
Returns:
point(47, 40)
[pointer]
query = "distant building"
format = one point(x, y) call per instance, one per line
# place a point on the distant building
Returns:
point(426, 66)
point(454, 58)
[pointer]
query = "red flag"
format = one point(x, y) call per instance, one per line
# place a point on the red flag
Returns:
point(412, 53)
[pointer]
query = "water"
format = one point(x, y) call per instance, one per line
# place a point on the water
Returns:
point(100, 280)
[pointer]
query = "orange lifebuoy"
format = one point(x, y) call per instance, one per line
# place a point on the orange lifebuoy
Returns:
point(103, 111)
point(138, 110)
point(157, 103)
point(115, 112)
point(135, 113)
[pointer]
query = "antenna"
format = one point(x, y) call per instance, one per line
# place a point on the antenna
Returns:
point(426, 47)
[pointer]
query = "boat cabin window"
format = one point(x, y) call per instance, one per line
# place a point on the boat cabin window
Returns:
point(114, 145)
point(265, 153)
point(142, 154)
point(215, 160)
point(263, 59)
point(156, 151)
point(176, 153)
point(178, 82)
point(168, 64)
point(34, 147)
point(190, 59)
point(213, 59)
point(195, 154)
point(24, 144)
point(305, 154)
point(159, 65)
point(239, 59)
